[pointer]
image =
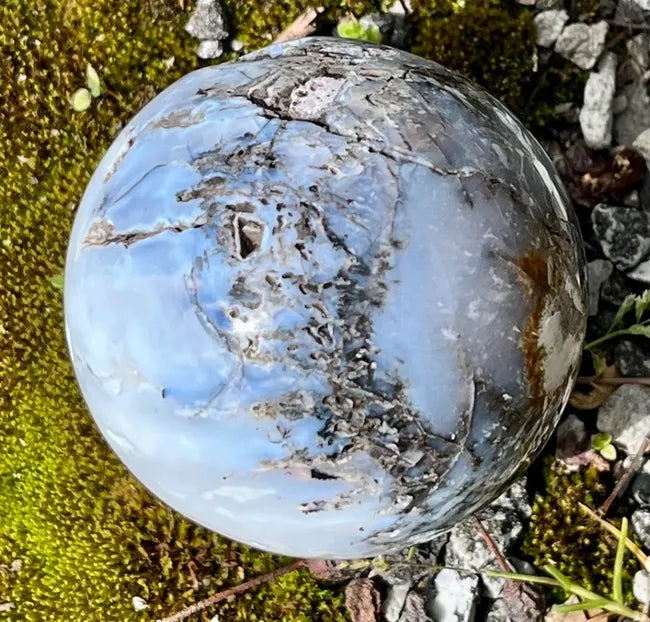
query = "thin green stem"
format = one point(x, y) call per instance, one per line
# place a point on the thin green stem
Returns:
point(585, 605)
point(617, 582)
point(527, 578)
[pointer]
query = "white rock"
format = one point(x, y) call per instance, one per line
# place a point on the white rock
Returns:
point(636, 116)
point(395, 599)
point(236, 45)
point(206, 22)
point(641, 587)
point(596, 115)
point(641, 272)
point(209, 49)
point(643, 4)
point(598, 271)
point(467, 549)
point(637, 49)
point(549, 25)
point(139, 603)
point(626, 416)
point(582, 44)
point(642, 145)
point(455, 598)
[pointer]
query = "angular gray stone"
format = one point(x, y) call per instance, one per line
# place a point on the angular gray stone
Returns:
point(614, 291)
point(498, 611)
point(626, 416)
point(455, 597)
point(628, 10)
point(414, 609)
point(641, 273)
point(637, 49)
point(549, 25)
point(571, 437)
point(467, 549)
point(632, 359)
point(597, 114)
point(598, 271)
point(394, 601)
point(641, 486)
point(641, 525)
point(623, 234)
point(206, 22)
point(582, 44)
point(635, 118)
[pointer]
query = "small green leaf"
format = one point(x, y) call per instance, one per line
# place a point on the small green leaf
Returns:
point(600, 441)
point(639, 329)
point(80, 100)
point(350, 30)
point(626, 306)
point(597, 362)
point(608, 452)
point(56, 280)
point(92, 81)
point(373, 34)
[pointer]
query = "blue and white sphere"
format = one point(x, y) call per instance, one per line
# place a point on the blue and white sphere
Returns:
point(325, 300)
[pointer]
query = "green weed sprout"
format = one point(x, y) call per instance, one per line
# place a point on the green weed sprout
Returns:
point(640, 305)
point(614, 603)
point(602, 443)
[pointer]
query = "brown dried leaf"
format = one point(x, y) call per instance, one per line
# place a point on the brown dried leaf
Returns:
point(362, 601)
point(594, 178)
point(587, 458)
point(599, 394)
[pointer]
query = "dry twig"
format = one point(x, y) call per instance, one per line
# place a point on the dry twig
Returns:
point(233, 591)
point(635, 465)
point(302, 26)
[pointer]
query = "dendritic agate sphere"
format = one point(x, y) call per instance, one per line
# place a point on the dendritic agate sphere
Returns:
point(325, 300)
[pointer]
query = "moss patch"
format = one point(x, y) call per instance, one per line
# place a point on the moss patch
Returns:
point(562, 535)
point(88, 536)
point(492, 42)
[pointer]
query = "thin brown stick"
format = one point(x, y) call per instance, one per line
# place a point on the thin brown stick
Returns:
point(635, 465)
point(626, 24)
point(616, 381)
point(233, 591)
point(502, 561)
point(302, 26)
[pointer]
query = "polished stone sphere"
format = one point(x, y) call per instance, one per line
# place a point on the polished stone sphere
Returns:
point(326, 300)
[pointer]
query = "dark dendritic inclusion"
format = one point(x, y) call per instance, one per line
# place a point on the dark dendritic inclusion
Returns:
point(328, 287)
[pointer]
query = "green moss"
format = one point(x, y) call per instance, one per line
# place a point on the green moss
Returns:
point(492, 42)
point(257, 23)
point(559, 82)
point(89, 537)
point(561, 534)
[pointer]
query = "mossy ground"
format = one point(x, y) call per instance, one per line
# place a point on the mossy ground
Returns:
point(88, 536)
point(562, 535)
